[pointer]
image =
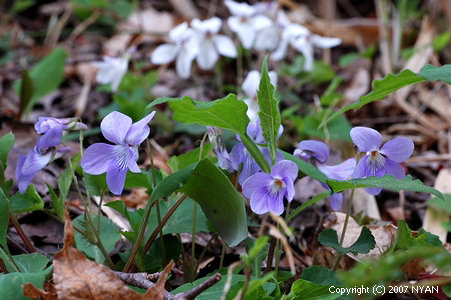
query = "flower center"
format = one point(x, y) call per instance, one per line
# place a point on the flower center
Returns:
point(277, 186)
point(375, 161)
point(120, 156)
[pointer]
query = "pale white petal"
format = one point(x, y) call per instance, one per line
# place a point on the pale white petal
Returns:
point(273, 78)
point(252, 109)
point(259, 22)
point(240, 9)
point(207, 56)
point(246, 33)
point(164, 54)
point(281, 51)
point(324, 42)
point(183, 63)
point(211, 25)
point(250, 84)
point(224, 45)
point(267, 39)
point(302, 45)
point(178, 32)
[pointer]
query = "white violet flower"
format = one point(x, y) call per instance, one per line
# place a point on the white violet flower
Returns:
point(210, 43)
point(250, 86)
point(268, 38)
point(246, 22)
point(183, 48)
point(300, 38)
point(112, 70)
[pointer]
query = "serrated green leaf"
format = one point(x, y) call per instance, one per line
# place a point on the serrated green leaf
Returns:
point(365, 242)
point(432, 73)
point(29, 201)
point(305, 168)
point(320, 275)
point(46, 75)
point(382, 88)
point(11, 284)
point(386, 182)
point(228, 112)
point(269, 112)
point(219, 200)
point(179, 162)
point(171, 183)
point(306, 290)
point(31, 263)
point(64, 182)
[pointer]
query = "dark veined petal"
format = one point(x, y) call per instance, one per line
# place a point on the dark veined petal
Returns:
point(361, 170)
point(398, 149)
point(132, 157)
point(115, 179)
point(115, 127)
point(97, 158)
point(317, 149)
point(393, 168)
point(366, 139)
point(139, 131)
point(275, 204)
point(255, 182)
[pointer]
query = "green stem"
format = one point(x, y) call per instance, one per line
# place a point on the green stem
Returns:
point(193, 237)
point(276, 273)
point(157, 203)
point(307, 204)
point(255, 152)
point(221, 261)
point(345, 225)
point(10, 259)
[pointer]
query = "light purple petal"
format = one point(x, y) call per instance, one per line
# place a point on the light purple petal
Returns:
point(335, 201)
point(255, 182)
point(132, 157)
point(361, 170)
point(285, 169)
point(115, 179)
point(339, 172)
point(250, 167)
point(366, 139)
point(394, 169)
point(398, 149)
point(276, 204)
point(260, 201)
point(139, 131)
point(51, 138)
point(237, 155)
point(23, 180)
point(115, 127)
point(290, 188)
point(35, 162)
point(97, 158)
point(373, 191)
point(318, 149)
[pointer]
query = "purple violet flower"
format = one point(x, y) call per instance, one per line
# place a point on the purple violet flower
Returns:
point(116, 160)
point(380, 161)
point(240, 155)
point(52, 130)
point(224, 160)
point(318, 153)
point(267, 191)
point(28, 166)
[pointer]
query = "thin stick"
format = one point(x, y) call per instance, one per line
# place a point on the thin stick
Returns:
point(20, 232)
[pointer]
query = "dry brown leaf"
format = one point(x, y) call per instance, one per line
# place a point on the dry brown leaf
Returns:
point(76, 277)
point(29, 290)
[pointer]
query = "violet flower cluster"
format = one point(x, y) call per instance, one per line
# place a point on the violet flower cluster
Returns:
point(45, 151)
point(317, 153)
point(115, 160)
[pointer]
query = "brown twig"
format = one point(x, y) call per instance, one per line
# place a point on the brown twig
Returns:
point(141, 280)
point(22, 235)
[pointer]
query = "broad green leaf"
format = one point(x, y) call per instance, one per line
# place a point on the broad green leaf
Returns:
point(4, 219)
point(306, 290)
point(269, 112)
point(11, 284)
point(153, 261)
point(171, 183)
point(220, 201)
point(305, 168)
point(109, 234)
point(6, 144)
point(320, 275)
point(432, 73)
point(182, 161)
point(46, 75)
point(382, 88)
point(26, 91)
point(307, 204)
point(29, 201)
point(64, 182)
point(386, 182)
point(440, 203)
point(95, 184)
point(337, 129)
point(228, 113)
point(365, 242)
point(31, 263)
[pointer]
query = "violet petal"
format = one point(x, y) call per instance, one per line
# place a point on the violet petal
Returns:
point(115, 126)
point(398, 149)
point(97, 158)
point(366, 139)
point(139, 131)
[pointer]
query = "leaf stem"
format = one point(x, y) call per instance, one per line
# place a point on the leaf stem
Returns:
point(20, 232)
point(255, 152)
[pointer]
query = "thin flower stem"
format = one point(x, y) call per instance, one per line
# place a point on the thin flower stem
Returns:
point(193, 236)
point(221, 261)
point(276, 273)
point(99, 212)
point(272, 246)
point(239, 69)
point(10, 258)
point(202, 254)
point(157, 203)
point(345, 225)
point(20, 232)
